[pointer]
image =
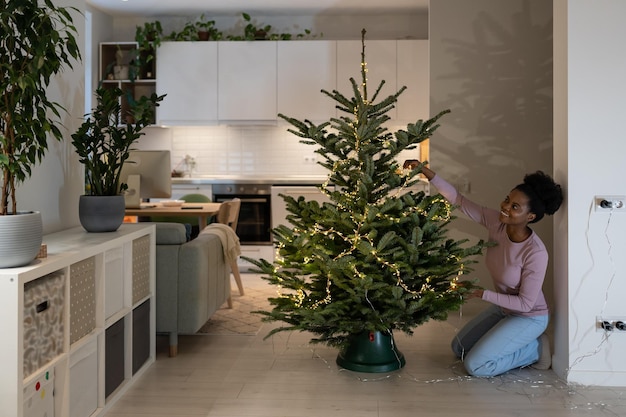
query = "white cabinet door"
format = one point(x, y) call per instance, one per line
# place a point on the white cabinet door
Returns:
point(187, 73)
point(380, 59)
point(247, 81)
point(304, 69)
point(413, 72)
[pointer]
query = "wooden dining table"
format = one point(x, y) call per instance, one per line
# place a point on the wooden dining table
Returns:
point(203, 211)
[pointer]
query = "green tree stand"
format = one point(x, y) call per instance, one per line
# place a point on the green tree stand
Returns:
point(373, 352)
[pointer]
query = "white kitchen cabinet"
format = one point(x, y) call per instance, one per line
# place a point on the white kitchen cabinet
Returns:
point(413, 72)
point(247, 81)
point(304, 69)
point(55, 328)
point(188, 75)
point(380, 59)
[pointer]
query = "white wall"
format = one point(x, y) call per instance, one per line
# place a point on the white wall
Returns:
point(591, 272)
point(57, 182)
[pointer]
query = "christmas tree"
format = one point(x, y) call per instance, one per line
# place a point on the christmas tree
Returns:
point(376, 257)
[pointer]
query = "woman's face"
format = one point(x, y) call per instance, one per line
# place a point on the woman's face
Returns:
point(514, 210)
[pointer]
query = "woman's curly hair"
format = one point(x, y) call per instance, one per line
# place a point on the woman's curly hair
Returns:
point(544, 195)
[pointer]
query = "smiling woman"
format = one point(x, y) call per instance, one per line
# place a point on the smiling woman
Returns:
point(510, 333)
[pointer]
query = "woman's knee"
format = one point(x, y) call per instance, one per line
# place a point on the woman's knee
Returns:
point(479, 368)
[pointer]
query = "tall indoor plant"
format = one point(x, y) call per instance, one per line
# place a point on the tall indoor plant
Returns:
point(375, 259)
point(103, 143)
point(37, 41)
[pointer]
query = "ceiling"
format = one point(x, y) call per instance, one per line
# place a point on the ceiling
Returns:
point(258, 7)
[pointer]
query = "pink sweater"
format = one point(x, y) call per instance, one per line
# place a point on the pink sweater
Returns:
point(517, 269)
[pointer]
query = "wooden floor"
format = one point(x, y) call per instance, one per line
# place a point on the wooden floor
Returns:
point(285, 376)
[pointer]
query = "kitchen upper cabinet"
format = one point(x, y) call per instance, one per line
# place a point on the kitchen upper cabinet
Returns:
point(187, 73)
point(380, 58)
point(304, 69)
point(413, 65)
point(247, 81)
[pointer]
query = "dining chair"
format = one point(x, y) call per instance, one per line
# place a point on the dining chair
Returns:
point(191, 223)
point(228, 214)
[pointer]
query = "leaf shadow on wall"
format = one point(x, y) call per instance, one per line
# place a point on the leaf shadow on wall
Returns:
point(500, 94)
point(497, 82)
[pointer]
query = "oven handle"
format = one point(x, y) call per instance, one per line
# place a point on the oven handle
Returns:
point(244, 200)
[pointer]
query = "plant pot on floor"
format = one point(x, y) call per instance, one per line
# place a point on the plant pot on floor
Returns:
point(20, 239)
point(371, 352)
point(101, 213)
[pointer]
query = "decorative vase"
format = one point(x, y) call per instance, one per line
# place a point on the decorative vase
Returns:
point(120, 72)
point(20, 239)
point(371, 352)
point(101, 213)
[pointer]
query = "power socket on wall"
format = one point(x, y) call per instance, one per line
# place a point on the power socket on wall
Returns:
point(610, 203)
point(611, 324)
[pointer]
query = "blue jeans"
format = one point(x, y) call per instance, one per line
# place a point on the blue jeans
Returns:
point(494, 342)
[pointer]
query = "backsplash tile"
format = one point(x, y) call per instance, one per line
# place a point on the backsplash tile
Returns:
point(242, 150)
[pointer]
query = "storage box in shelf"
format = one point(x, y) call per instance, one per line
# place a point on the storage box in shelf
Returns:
point(114, 291)
point(82, 298)
point(39, 395)
point(115, 366)
point(84, 380)
point(44, 300)
point(141, 269)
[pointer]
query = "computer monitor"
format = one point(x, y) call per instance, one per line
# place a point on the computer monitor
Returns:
point(148, 175)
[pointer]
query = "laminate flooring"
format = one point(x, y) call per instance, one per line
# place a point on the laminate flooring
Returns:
point(285, 376)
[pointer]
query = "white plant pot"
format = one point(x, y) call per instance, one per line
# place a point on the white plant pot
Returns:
point(20, 240)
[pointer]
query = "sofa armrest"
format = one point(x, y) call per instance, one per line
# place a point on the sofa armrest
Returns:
point(170, 234)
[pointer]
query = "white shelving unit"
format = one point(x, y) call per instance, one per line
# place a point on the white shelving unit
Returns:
point(78, 325)
point(134, 85)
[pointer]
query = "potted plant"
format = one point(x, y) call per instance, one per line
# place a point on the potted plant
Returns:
point(103, 143)
point(148, 38)
point(37, 41)
point(206, 29)
point(375, 259)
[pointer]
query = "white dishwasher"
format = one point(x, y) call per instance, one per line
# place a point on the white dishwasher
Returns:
point(279, 208)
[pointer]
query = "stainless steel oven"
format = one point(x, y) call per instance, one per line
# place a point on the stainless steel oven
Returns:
point(255, 218)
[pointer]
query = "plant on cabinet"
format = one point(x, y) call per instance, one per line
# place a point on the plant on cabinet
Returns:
point(37, 41)
point(148, 38)
point(103, 143)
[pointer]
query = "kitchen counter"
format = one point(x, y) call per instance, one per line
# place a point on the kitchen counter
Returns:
point(247, 179)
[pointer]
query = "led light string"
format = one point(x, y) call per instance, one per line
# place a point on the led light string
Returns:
point(606, 334)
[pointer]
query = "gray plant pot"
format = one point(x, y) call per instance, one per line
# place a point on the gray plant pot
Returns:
point(101, 213)
point(20, 238)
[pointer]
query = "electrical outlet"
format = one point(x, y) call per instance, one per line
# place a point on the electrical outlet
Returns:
point(610, 203)
point(611, 324)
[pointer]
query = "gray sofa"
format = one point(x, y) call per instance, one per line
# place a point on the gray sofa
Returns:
point(192, 281)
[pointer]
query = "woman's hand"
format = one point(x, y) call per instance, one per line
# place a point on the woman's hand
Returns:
point(477, 293)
